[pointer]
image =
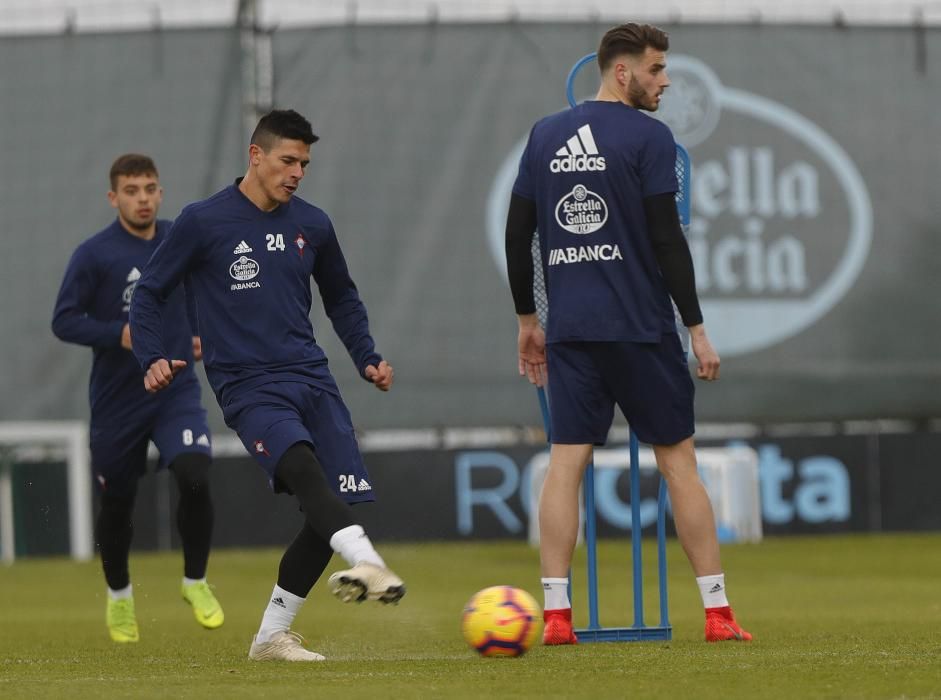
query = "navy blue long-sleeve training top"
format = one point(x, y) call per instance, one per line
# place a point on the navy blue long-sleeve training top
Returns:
point(249, 271)
point(92, 308)
point(590, 170)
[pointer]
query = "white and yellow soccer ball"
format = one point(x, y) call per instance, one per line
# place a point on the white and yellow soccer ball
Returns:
point(501, 621)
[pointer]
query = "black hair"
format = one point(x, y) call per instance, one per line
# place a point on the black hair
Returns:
point(282, 124)
point(131, 164)
point(631, 39)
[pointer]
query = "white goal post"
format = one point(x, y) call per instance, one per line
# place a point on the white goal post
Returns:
point(38, 442)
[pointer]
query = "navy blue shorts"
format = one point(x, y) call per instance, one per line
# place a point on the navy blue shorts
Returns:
point(271, 418)
point(119, 454)
point(650, 382)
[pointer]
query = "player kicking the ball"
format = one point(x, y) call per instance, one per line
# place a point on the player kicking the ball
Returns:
point(249, 253)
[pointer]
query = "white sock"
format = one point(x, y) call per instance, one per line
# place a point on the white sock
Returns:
point(191, 581)
point(712, 590)
point(280, 613)
point(556, 593)
point(127, 592)
point(352, 544)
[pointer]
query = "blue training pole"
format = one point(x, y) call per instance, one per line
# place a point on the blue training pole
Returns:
point(591, 542)
point(662, 551)
point(636, 555)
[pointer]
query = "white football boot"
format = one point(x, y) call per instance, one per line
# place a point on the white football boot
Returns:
point(283, 646)
point(367, 581)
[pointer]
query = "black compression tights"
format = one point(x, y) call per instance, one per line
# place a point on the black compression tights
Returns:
point(303, 562)
point(114, 526)
point(194, 515)
point(324, 513)
point(113, 532)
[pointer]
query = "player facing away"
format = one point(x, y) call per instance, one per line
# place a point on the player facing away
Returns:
point(92, 309)
point(249, 253)
point(597, 181)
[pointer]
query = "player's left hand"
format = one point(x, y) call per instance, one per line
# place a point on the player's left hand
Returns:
point(381, 376)
point(197, 348)
point(706, 355)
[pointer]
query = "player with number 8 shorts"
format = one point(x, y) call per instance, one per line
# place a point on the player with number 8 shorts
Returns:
point(92, 310)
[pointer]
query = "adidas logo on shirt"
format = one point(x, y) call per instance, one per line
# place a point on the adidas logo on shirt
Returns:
point(578, 155)
point(203, 440)
point(363, 485)
point(133, 275)
point(242, 248)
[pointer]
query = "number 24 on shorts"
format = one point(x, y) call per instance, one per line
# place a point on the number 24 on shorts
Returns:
point(348, 484)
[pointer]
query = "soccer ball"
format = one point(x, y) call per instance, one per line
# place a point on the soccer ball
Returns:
point(501, 621)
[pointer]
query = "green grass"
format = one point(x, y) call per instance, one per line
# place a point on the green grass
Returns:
point(856, 617)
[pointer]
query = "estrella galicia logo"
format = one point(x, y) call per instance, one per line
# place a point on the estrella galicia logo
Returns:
point(581, 211)
point(781, 220)
point(126, 296)
point(244, 269)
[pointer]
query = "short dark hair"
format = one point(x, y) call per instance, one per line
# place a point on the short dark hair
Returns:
point(282, 124)
point(632, 39)
point(131, 164)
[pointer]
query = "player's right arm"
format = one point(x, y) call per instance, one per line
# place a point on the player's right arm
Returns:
point(163, 273)
point(71, 321)
point(531, 340)
point(521, 223)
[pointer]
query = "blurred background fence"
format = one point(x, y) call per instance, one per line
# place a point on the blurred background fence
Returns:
point(816, 215)
point(813, 130)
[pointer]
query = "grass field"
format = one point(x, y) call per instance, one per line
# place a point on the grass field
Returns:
point(855, 617)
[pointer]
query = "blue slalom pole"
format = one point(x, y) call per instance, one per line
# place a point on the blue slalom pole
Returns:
point(591, 542)
point(662, 551)
point(570, 80)
point(544, 407)
point(637, 563)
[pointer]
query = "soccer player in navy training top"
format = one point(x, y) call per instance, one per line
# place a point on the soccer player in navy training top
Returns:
point(92, 309)
point(598, 183)
point(249, 253)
